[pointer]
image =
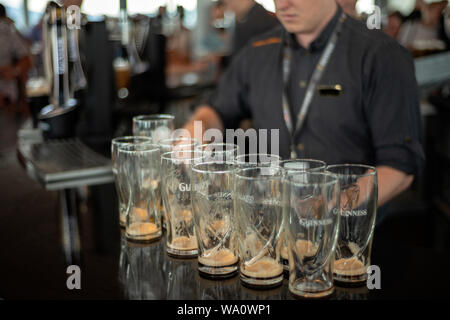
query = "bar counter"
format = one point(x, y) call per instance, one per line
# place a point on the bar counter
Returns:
point(34, 257)
point(33, 265)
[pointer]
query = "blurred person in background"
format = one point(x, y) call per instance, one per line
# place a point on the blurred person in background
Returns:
point(395, 21)
point(179, 45)
point(423, 34)
point(251, 19)
point(216, 40)
point(15, 62)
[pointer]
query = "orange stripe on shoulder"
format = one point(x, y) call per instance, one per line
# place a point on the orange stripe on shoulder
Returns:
point(265, 42)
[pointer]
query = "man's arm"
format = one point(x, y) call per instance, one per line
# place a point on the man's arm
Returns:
point(209, 119)
point(391, 182)
point(393, 114)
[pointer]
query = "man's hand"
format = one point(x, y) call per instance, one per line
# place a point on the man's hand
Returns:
point(209, 119)
point(391, 182)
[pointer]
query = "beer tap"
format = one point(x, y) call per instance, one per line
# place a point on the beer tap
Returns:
point(129, 41)
point(77, 78)
point(57, 120)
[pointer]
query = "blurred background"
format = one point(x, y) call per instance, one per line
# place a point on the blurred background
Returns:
point(132, 57)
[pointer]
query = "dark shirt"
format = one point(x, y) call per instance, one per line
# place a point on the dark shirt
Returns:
point(257, 21)
point(305, 63)
point(376, 119)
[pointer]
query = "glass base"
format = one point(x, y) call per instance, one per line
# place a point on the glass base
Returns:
point(176, 253)
point(311, 289)
point(145, 238)
point(261, 283)
point(222, 272)
point(350, 280)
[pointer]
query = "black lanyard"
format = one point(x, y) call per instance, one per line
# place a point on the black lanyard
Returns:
point(315, 78)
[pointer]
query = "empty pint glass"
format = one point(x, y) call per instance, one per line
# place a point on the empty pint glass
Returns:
point(359, 194)
point(310, 205)
point(292, 166)
point(258, 212)
point(140, 167)
point(122, 188)
point(156, 126)
point(212, 204)
point(174, 144)
point(176, 193)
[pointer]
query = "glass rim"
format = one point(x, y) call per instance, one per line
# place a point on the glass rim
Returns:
point(288, 178)
point(207, 163)
point(278, 175)
point(154, 147)
point(165, 156)
point(165, 142)
point(235, 146)
point(304, 160)
point(116, 140)
point(278, 157)
point(373, 171)
point(153, 117)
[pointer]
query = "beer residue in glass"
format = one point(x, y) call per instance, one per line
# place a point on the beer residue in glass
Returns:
point(266, 267)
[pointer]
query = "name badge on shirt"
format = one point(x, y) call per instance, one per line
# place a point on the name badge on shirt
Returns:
point(330, 90)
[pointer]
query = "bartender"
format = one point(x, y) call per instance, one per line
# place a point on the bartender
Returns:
point(336, 91)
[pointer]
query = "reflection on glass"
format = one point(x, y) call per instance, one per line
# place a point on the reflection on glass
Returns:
point(228, 289)
point(358, 293)
point(278, 293)
point(181, 283)
point(143, 270)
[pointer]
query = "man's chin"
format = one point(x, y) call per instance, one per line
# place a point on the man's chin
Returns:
point(292, 28)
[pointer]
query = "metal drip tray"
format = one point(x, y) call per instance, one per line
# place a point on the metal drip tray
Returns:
point(65, 163)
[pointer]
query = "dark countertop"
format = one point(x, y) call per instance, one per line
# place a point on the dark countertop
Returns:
point(32, 263)
point(411, 250)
